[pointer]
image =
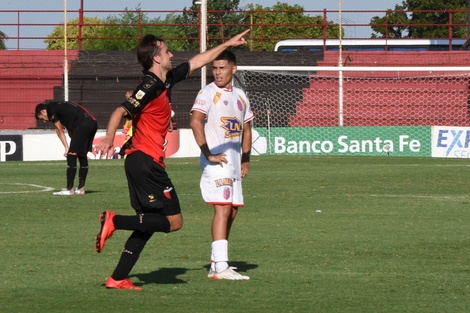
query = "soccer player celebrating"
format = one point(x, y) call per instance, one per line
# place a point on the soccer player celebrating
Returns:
point(151, 191)
point(220, 120)
point(81, 127)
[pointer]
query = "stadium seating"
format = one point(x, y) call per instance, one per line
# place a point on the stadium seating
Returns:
point(27, 78)
point(387, 98)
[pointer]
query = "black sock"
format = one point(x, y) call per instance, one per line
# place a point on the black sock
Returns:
point(147, 222)
point(71, 170)
point(129, 256)
point(83, 171)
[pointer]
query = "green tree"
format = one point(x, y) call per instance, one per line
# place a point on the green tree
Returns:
point(412, 24)
point(126, 29)
point(119, 32)
point(94, 28)
point(220, 13)
point(297, 25)
point(175, 37)
point(3, 36)
point(396, 19)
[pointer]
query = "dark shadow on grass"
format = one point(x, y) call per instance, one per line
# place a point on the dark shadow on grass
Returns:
point(242, 267)
point(91, 191)
point(162, 276)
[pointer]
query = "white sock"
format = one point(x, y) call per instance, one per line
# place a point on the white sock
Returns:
point(212, 261)
point(220, 255)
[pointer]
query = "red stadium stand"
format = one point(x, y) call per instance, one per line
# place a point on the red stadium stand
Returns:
point(27, 78)
point(388, 98)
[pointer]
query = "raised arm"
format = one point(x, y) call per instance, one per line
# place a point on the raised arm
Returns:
point(208, 56)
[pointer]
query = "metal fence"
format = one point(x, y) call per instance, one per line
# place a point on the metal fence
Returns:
point(28, 29)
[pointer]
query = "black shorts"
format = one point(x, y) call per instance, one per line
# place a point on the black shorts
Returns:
point(81, 138)
point(150, 188)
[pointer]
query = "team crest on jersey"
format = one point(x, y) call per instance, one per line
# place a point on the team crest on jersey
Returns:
point(140, 94)
point(232, 126)
point(226, 193)
point(240, 105)
point(167, 192)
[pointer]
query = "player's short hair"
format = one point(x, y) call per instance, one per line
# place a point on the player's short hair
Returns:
point(228, 56)
point(148, 47)
point(39, 107)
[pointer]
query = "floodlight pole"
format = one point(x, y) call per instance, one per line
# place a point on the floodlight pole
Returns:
point(468, 19)
point(66, 62)
point(203, 37)
point(340, 65)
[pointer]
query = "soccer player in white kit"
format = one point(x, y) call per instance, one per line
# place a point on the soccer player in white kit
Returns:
point(221, 122)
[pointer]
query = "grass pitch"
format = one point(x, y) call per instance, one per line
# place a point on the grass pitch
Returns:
point(318, 234)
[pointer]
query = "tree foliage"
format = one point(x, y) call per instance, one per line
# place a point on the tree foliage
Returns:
point(93, 28)
point(219, 14)
point(300, 25)
point(416, 19)
point(3, 36)
point(224, 19)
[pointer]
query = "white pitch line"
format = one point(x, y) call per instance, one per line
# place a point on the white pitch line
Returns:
point(43, 188)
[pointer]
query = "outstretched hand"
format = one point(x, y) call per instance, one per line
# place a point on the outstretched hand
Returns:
point(238, 40)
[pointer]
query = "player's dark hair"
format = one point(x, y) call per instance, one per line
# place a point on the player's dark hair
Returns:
point(227, 55)
point(148, 47)
point(39, 107)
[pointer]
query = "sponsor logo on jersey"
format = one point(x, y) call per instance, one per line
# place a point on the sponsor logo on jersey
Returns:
point(223, 182)
point(148, 85)
point(134, 102)
point(200, 102)
point(233, 127)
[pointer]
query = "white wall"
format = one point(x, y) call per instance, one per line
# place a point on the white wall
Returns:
point(46, 146)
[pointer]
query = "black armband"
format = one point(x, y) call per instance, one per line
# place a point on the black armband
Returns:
point(205, 150)
point(245, 157)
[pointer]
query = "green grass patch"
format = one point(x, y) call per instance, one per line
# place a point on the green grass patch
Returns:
point(318, 234)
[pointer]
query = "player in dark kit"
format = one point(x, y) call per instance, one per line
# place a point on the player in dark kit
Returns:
point(81, 127)
point(151, 191)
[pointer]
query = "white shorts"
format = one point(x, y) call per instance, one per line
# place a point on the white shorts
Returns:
point(222, 191)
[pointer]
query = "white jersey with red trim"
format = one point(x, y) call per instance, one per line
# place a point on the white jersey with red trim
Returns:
point(226, 112)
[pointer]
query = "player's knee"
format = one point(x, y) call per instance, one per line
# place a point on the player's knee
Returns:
point(71, 161)
point(83, 162)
